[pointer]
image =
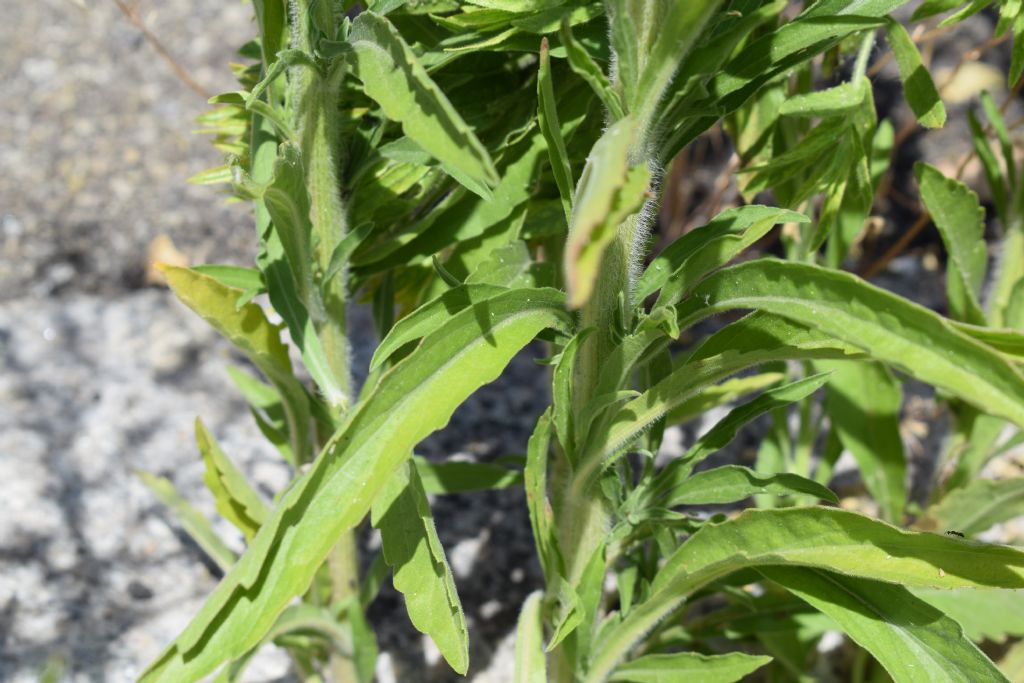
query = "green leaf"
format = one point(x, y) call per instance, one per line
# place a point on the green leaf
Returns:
point(430, 316)
point(732, 483)
point(720, 394)
point(547, 118)
point(530, 666)
point(292, 292)
point(248, 329)
point(887, 327)
point(1017, 55)
point(535, 476)
point(863, 402)
point(586, 68)
point(679, 28)
point(461, 477)
point(842, 99)
point(562, 393)
point(415, 398)
point(421, 572)
point(689, 666)
point(913, 641)
point(821, 538)
point(726, 429)
point(978, 506)
point(918, 87)
point(961, 221)
point(192, 521)
point(246, 279)
point(752, 341)
point(608, 192)
point(989, 163)
point(681, 264)
point(236, 500)
point(984, 615)
point(394, 78)
point(513, 266)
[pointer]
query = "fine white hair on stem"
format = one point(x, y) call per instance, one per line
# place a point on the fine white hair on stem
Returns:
point(644, 222)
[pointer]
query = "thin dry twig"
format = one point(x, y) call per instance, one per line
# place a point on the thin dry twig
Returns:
point(134, 16)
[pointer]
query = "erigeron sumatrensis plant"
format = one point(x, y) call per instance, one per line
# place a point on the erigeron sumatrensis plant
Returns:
point(488, 174)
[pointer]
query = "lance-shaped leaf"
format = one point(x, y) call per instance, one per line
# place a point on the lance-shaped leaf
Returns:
point(840, 100)
point(237, 502)
point(913, 641)
point(421, 573)
point(725, 430)
point(248, 329)
point(887, 327)
point(752, 341)
point(961, 222)
point(918, 88)
point(732, 483)
point(863, 401)
point(721, 394)
point(679, 28)
point(681, 264)
point(431, 316)
point(551, 129)
point(689, 666)
point(587, 69)
point(821, 538)
point(394, 78)
point(415, 398)
point(609, 191)
point(530, 666)
point(977, 506)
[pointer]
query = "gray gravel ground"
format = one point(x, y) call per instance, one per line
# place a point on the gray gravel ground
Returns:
point(100, 376)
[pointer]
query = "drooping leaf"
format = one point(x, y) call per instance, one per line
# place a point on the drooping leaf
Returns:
point(732, 483)
point(689, 666)
point(421, 573)
point(961, 221)
point(888, 328)
point(248, 329)
point(863, 401)
point(415, 398)
point(820, 538)
point(236, 500)
point(918, 88)
point(910, 638)
point(394, 78)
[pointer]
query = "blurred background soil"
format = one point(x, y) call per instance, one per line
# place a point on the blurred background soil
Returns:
point(102, 374)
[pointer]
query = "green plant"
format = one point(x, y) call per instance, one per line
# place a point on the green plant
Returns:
point(463, 196)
